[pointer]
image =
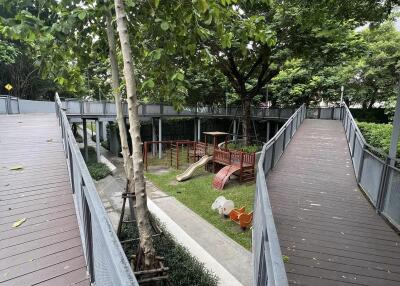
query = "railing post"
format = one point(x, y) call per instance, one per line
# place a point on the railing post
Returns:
point(383, 186)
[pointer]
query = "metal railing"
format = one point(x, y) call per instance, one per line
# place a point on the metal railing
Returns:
point(105, 258)
point(376, 176)
point(9, 104)
point(269, 268)
point(105, 108)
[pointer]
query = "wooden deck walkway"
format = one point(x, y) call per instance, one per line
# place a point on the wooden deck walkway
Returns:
point(325, 225)
point(46, 249)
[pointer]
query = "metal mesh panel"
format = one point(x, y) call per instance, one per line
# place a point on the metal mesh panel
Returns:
point(267, 160)
point(286, 112)
point(153, 109)
point(93, 107)
point(295, 124)
point(278, 148)
point(110, 108)
point(73, 107)
point(371, 175)
point(351, 141)
point(169, 110)
point(287, 134)
point(312, 113)
point(358, 149)
point(3, 104)
point(271, 112)
point(326, 113)
point(336, 113)
point(391, 207)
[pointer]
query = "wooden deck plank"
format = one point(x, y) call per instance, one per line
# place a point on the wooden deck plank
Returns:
point(326, 226)
point(46, 249)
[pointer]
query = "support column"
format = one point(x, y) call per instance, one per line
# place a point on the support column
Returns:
point(199, 129)
point(395, 132)
point(234, 130)
point(153, 136)
point(268, 130)
point(98, 141)
point(100, 130)
point(85, 142)
point(195, 130)
point(159, 138)
point(277, 127)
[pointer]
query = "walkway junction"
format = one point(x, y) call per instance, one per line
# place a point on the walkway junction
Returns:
point(327, 204)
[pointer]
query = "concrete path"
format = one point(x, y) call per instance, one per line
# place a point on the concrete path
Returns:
point(227, 259)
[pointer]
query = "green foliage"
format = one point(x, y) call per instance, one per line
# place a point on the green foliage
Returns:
point(97, 170)
point(247, 149)
point(184, 269)
point(198, 194)
point(373, 115)
point(378, 135)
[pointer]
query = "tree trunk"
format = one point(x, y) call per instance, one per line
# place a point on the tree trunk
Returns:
point(128, 164)
point(246, 125)
point(142, 212)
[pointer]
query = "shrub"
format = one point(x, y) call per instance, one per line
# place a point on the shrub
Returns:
point(248, 149)
point(184, 269)
point(97, 170)
point(378, 135)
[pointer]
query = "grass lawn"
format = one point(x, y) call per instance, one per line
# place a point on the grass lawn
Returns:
point(198, 194)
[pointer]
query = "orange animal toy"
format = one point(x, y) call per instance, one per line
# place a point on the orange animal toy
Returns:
point(240, 217)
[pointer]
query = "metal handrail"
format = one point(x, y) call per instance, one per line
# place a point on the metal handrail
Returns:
point(269, 268)
point(78, 107)
point(106, 261)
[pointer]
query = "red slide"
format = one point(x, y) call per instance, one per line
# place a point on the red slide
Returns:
point(223, 176)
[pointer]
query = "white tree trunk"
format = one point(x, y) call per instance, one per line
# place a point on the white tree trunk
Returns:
point(141, 209)
point(128, 164)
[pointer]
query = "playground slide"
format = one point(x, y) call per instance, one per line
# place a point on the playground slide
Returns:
point(189, 172)
point(223, 176)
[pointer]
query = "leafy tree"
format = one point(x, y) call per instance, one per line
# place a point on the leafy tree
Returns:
point(246, 41)
point(372, 77)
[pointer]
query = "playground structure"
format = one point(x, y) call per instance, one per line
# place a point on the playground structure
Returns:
point(223, 161)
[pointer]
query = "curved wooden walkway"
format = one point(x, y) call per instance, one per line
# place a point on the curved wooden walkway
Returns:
point(327, 228)
point(46, 249)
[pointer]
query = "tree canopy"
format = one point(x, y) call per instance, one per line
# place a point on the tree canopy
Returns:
point(205, 51)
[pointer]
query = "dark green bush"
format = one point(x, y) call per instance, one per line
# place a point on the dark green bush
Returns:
point(97, 170)
point(374, 115)
point(185, 270)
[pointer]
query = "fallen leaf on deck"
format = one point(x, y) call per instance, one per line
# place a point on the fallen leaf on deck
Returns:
point(19, 222)
point(16, 168)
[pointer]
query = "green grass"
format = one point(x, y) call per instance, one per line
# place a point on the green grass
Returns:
point(198, 194)
point(97, 170)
